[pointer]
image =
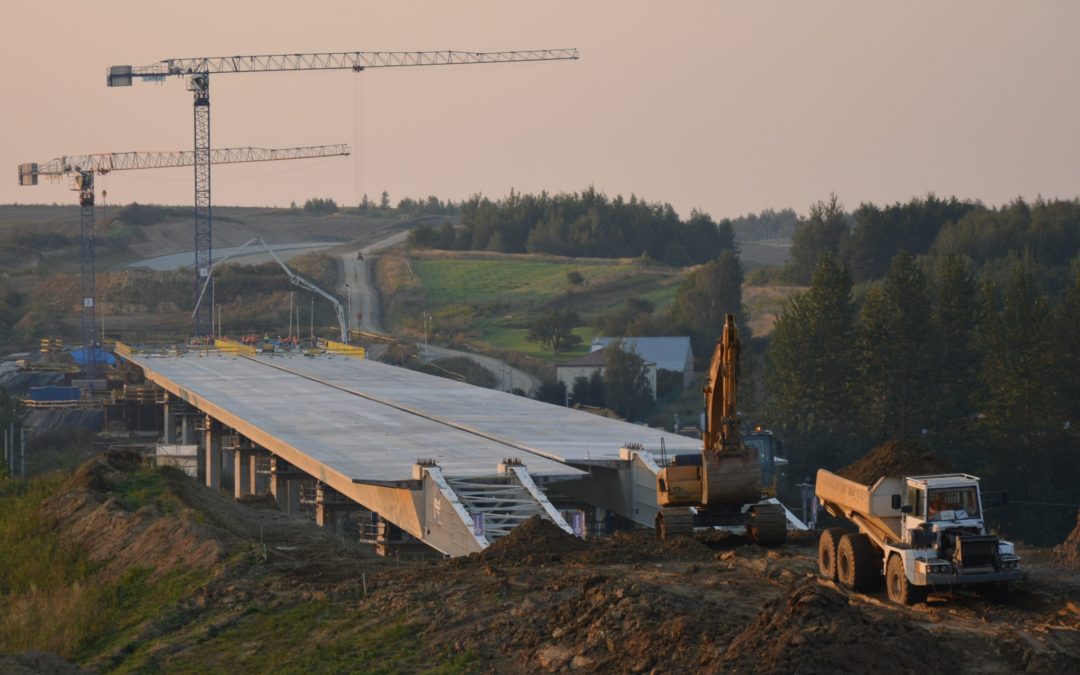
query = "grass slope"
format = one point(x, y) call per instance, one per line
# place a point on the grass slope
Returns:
point(490, 298)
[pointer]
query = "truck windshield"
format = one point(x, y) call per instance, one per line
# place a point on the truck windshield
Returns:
point(954, 504)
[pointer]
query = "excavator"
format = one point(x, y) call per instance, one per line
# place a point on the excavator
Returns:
point(723, 485)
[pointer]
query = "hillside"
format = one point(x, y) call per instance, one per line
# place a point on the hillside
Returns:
point(490, 297)
point(121, 569)
point(39, 267)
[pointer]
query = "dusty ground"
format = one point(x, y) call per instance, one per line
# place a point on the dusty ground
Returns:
point(286, 594)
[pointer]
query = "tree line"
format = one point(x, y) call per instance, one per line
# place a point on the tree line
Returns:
point(586, 224)
point(866, 240)
point(987, 374)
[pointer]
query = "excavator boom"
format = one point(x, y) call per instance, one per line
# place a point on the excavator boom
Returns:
point(721, 411)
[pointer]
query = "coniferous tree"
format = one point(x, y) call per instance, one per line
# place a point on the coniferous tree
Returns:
point(811, 374)
point(1018, 375)
point(825, 230)
point(709, 293)
point(956, 313)
point(895, 351)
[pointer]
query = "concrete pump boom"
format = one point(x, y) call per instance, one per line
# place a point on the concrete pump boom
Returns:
point(295, 278)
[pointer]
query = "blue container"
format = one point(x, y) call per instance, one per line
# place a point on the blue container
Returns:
point(54, 393)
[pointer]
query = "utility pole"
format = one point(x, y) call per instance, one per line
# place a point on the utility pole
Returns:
point(348, 315)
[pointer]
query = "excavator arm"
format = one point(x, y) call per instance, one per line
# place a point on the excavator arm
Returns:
point(721, 412)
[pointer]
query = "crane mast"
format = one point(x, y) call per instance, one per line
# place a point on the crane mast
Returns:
point(199, 69)
point(83, 168)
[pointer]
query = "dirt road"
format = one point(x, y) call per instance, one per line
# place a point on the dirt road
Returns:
point(358, 283)
point(509, 378)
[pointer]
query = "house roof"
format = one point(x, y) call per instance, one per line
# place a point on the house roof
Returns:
point(668, 353)
point(596, 358)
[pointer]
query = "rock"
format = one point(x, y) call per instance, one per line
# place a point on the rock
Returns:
point(553, 657)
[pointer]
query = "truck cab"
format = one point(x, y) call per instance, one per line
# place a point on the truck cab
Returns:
point(942, 520)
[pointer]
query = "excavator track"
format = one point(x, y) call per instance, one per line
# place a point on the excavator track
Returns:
point(674, 523)
point(766, 524)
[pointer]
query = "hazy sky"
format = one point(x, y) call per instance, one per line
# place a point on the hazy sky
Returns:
point(727, 107)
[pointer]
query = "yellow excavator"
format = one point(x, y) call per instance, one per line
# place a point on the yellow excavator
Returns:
point(723, 485)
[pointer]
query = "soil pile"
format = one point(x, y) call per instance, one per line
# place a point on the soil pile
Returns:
point(536, 541)
point(120, 526)
point(814, 629)
point(125, 516)
point(1067, 553)
point(643, 546)
point(903, 457)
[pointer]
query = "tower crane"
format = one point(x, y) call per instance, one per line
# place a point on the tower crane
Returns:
point(82, 169)
point(198, 71)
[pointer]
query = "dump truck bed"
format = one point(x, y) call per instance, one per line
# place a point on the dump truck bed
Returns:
point(870, 507)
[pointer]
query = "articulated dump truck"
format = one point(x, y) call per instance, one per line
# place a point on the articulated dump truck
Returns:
point(916, 532)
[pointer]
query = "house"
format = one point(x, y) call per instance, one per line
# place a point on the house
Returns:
point(668, 353)
point(596, 360)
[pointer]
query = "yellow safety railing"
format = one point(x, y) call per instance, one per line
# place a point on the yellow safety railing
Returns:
point(343, 349)
point(233, 347)
point(122, 349)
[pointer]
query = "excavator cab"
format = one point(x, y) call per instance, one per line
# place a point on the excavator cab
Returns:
point(770, 450)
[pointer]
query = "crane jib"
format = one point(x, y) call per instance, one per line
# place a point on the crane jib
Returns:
point(122, 76)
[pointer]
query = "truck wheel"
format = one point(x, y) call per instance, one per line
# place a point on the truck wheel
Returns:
point(826, 552)
point(901, 591)
point(858, 565)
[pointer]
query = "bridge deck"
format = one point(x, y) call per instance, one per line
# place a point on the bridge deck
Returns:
point(344, 433)
point(560, 433)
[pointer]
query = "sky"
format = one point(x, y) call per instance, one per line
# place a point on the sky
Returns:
point(720, 106)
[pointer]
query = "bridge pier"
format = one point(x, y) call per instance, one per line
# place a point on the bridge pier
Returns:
point(170, 423)
point(187, 429)
point(331, 505)
point(213, 454)
point(243, 475)
point(285, 485)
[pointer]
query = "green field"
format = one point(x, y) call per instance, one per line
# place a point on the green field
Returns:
point(491, 298)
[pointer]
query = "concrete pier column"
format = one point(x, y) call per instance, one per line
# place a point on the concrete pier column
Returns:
point(187, 430)
point(241, 474)
point(213, 454)
point(252, 472)
point(294, 496)
point(279, 487)
point(170, 423)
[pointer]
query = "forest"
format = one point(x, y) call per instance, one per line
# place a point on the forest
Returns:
point(941, 319)
point(586, 224)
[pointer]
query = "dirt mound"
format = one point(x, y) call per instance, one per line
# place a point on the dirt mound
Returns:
point(642, 546)
point(125, 524)
point(814, 629)
point(264, 502)
point(127, 516)
point(1067, 553)
point(37, 663)
point(535, 541)
point(902, 457)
